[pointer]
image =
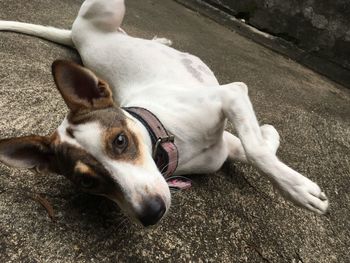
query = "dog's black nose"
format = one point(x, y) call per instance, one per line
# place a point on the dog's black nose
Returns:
point(153, 210)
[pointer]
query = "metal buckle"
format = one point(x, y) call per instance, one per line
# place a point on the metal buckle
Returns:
point(160, 140)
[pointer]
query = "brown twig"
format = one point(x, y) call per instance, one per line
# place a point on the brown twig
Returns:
point(46, 204)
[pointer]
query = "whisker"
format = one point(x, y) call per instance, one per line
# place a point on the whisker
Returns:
point(122, 223)
point(166, 166)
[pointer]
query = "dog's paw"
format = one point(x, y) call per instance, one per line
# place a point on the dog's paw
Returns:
point(271, 137)
point(304, 193)
point(162, 40)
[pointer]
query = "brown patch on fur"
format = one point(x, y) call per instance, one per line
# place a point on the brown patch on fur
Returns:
point(55, 138)
point(76, 164)
point(80, 88)
point(108, 117)
point(130, 154)
point(113, 122)
point(82, 168)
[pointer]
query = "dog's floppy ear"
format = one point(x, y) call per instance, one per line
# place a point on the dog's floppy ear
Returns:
point(27, 152)
point(81, 88)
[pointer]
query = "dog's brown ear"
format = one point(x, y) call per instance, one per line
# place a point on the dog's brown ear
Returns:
point(27, 152)
point(81, 88)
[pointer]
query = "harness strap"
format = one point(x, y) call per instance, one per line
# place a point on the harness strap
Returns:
point(164, 150)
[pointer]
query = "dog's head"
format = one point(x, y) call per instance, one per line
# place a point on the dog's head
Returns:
point(97, 147)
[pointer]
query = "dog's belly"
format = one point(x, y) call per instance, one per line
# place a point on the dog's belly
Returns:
point(131, 63)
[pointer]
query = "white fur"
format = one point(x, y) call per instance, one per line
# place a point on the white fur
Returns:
point(185, 95)
point(60, 36)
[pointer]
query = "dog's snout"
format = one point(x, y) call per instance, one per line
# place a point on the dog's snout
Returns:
point(153, 210)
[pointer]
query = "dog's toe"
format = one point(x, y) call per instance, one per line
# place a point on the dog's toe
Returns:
point(323, 196)
point(303, 192)
point(304, 198)
point(318, 205)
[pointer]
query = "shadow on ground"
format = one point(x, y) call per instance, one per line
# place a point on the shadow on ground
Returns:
point(231, 216)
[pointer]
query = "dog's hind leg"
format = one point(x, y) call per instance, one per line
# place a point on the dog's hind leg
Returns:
point(235, 147)
point(103, 15)
point(292, 185)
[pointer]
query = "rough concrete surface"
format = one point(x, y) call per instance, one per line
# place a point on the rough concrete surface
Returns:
point(231, 216)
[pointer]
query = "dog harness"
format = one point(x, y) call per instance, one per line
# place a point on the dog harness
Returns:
point(164, 152)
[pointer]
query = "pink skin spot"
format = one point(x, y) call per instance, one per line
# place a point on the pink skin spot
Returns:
point(192, 70)
point(204, 69)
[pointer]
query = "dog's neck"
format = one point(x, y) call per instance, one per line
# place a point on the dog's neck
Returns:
point(164, 153)
point(145, 136)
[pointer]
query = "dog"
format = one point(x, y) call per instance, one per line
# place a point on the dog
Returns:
point(140, 112)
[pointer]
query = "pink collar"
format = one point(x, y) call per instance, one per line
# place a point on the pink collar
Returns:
point(165, 153)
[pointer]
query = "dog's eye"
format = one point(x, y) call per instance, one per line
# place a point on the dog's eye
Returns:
point(86, 182)
point(120, 142)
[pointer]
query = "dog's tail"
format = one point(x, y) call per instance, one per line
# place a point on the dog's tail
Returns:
point(60, 36)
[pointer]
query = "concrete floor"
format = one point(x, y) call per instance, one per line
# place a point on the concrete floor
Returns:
point(231, 216)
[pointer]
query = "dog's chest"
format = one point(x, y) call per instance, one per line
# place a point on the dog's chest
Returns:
point(194, 116)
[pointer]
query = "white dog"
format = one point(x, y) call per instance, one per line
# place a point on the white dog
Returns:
point(162, 113)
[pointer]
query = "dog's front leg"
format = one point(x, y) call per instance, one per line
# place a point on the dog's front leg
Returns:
point(103, 15)
point(292, 185)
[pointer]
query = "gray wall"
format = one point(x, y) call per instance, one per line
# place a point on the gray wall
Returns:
point(321, 27)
